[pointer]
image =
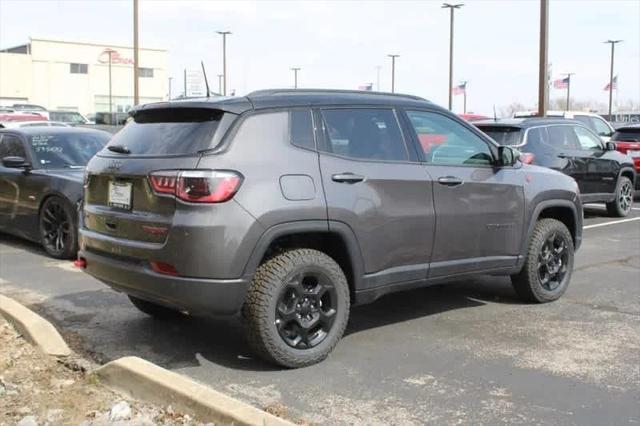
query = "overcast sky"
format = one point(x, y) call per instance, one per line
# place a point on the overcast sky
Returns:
point(338, 44)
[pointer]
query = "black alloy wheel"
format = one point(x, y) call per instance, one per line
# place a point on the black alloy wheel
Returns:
point(306, 310)
point(552, 262)
point(58, 229)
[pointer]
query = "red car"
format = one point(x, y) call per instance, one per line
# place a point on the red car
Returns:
point(627, 140)
point(474, 117)
point(17, 116)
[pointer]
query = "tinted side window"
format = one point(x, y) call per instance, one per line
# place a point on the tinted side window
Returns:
point(368, 134)
point(587, 139)
point(301, 129)
point(445, 141)
point(11, 146)
point(563, 137)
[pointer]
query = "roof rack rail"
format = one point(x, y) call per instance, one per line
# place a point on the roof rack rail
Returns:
point(270, 92)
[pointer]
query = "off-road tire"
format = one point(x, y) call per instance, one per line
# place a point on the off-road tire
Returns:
point(259, 311)
point(621, 206)
point(154, 310)
point(527, 283)
point(63, 211)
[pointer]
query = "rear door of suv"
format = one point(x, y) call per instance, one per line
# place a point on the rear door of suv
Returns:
point(479, 206)
point(124, 183)
point(374, 183)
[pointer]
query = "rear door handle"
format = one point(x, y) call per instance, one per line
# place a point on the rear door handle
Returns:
point(347, 178)
point(450, 181)
point(562, 155)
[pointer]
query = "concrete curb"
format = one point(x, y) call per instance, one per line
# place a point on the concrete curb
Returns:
point(34, 328)
point(145, 381)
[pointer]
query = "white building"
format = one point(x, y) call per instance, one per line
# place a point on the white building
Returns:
point(68, 75)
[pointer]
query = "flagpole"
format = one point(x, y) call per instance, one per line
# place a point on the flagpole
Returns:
point(613, 47)
point(569, 74)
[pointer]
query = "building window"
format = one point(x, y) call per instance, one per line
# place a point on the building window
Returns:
point(145, 72)
point(79, 68)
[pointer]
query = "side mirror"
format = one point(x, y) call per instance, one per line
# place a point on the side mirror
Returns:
point(507, 156)
point(610, 146)
point(15, 163)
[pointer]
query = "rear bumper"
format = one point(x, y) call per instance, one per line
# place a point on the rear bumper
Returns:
point(195, 295)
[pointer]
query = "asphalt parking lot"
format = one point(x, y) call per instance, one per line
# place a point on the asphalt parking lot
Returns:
point(466, 353)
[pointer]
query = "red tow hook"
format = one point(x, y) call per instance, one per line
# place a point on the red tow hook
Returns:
point(80, 263)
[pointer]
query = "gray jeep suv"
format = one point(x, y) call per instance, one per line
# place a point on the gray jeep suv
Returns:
point(291, 206)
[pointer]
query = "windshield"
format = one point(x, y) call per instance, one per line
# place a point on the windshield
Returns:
point(67, 117)
point(169, 131)
point(66, 150)
point(504, 135)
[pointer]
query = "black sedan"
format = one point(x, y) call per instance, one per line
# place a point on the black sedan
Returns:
point(41, 179)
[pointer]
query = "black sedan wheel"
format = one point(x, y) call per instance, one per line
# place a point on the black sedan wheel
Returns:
point(58, 233)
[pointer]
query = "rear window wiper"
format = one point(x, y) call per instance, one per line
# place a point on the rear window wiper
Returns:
point(121, 149)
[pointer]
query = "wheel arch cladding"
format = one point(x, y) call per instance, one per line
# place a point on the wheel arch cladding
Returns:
point(562, 212)
point(629, 173)
point(336, 240)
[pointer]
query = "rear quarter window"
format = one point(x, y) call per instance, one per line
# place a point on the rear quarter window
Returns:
point(169, 131)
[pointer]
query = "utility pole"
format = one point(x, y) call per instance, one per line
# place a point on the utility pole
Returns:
point(613, 49)
point(393, 72)
point(295, 76)
point(169, 96)
point(110, 98)
point(451, 8)
point(543, 70)
point(378, 78)
point(224, 35)
point(136, 64)
point(185, 82)
point(220, 84)
point(569, 74)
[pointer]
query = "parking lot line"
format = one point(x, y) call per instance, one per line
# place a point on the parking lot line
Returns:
point(597, 225)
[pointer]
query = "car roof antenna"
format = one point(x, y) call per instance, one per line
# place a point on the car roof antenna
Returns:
point(206, 82)
point(495, 116)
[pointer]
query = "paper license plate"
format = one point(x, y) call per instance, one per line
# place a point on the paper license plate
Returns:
point(634, 153)
point(120, 195)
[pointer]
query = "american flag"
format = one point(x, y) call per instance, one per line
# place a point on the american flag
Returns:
point(460, 89)
point(561, 83)
point(615, 84)
point(367, 86)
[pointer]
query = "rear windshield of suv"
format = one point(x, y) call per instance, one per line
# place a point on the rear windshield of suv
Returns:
point(169, 131)
point(503, 135)
point(628, 135)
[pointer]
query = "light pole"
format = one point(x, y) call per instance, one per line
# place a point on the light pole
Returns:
point(224, 59)
point(378, 78)
point(393, 72)
point(220, 84)
point(543, 71)
point(169, 96)
point(295, 76)
point(569, 74)
point(136, 92)
point(451, 8)
point(613, 49)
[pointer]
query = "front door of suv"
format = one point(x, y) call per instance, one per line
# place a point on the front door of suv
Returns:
point(374, 184)
point(602, 171)
point(479, 207)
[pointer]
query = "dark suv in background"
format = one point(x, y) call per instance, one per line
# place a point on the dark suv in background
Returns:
point(293, 205)
point(603, 174)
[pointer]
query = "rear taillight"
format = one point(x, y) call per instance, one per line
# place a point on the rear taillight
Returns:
point(197, 186)
point(527, 157)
